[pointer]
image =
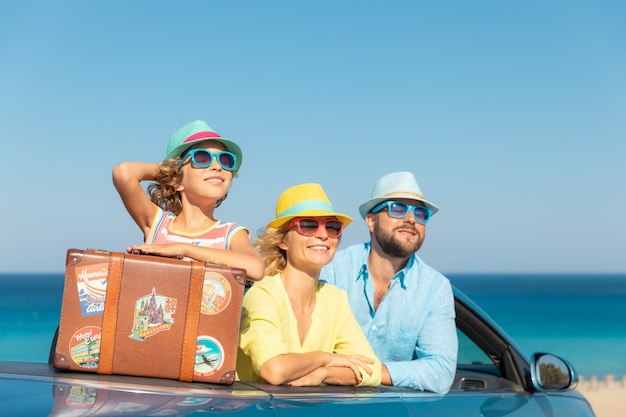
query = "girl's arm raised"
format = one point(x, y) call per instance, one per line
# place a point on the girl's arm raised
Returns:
point(127, 177)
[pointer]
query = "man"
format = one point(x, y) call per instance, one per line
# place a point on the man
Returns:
point(405, 307)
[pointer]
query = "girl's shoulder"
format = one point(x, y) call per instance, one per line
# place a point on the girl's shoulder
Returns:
point(228, 225)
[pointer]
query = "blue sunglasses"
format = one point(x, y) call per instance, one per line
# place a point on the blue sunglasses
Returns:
point(202, 158)
point(399, 210)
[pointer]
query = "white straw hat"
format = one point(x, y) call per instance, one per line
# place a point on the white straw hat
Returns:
point(395, 186)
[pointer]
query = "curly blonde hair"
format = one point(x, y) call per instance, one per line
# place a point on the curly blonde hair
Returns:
point(163, 192)
point(267, 245)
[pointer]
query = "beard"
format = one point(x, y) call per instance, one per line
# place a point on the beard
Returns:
point(393, 246)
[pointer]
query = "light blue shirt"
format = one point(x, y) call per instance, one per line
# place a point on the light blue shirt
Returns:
point(413, 331)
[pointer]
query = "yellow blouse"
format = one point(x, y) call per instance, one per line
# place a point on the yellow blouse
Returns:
point(269, 328)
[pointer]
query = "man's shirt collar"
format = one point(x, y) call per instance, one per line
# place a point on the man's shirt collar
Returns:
point(364, 273)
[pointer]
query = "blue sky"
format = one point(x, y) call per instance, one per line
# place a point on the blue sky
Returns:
point(510, 114)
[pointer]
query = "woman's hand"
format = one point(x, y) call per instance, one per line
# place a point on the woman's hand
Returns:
point(334, 372)
point(314, 368)
point(352, 362)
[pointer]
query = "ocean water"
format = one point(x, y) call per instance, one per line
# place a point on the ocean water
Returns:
point(30, 307)
point(581, 318)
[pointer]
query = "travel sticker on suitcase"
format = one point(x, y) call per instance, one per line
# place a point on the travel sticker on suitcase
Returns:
point(91, 282)
point(153, 314)
point(216, 293)
point(84, 347)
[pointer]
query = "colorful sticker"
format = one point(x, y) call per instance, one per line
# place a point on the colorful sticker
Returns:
point(81, 397)
point(209, 356)
point(91, 281)
point(216, 293)
point(153, 314)
point(85, 346)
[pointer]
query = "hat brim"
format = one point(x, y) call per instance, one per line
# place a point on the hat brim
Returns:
point(367, 206)
point(228, 144)
point(281, 221)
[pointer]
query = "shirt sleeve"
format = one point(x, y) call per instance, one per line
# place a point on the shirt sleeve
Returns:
point(436, 349)
point(233, 228)
point(161, 218)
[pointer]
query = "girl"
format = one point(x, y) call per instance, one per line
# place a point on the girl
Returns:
point(178, 219)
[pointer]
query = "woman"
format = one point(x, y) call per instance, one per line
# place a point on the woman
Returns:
point(294, 329)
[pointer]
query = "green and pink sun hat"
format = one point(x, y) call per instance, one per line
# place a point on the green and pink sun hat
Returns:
point(199, 131)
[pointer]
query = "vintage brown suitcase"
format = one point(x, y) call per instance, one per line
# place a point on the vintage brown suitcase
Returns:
point(143, 315)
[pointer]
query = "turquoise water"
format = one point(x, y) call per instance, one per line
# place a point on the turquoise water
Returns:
point(30, 307)
point(579, 317)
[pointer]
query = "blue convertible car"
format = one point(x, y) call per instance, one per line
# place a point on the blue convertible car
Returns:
point(494, 378)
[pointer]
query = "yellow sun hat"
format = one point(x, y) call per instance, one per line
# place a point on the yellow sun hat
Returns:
point(304, 200)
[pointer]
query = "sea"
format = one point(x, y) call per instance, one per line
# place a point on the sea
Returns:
point(579, 317)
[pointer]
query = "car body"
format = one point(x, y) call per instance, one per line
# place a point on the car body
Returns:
point(494, 378)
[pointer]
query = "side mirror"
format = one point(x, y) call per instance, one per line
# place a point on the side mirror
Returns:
point(551, 373)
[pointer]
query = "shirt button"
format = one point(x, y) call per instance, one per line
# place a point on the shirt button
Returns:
point(373, 327)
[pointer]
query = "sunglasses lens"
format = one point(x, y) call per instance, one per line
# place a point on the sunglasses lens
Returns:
point(202, 158)
point(398, 210)
point(421, 215)
point(227, 160)
point(308, 227)
point(334, 228)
